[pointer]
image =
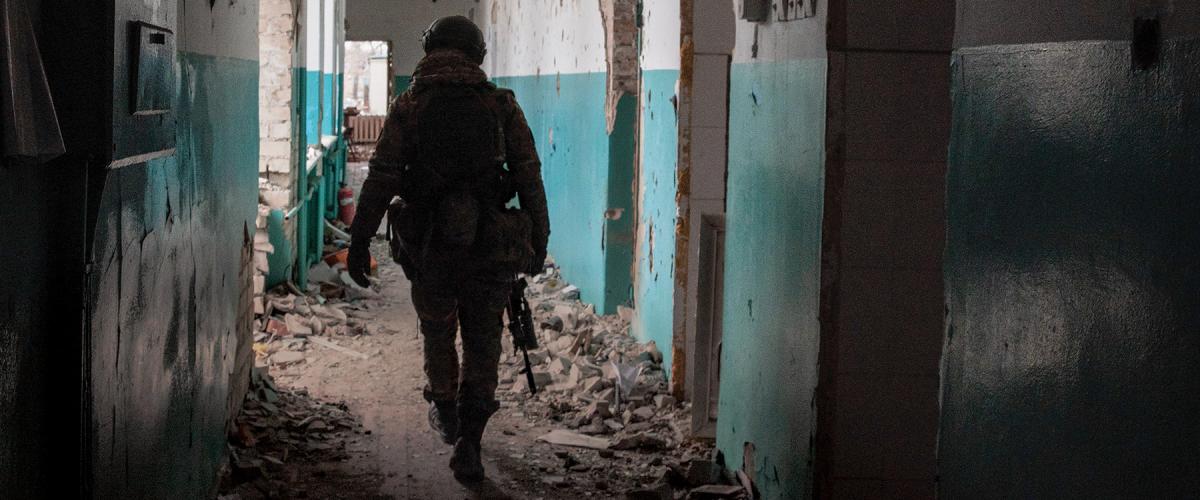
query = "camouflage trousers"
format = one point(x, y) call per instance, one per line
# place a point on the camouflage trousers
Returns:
point(475, 303)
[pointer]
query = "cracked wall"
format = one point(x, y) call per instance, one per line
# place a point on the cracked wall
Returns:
point(657, 178)
point(621, 52)
point(171, 255)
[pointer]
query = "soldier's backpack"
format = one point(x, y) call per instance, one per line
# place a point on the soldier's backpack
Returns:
point(454, 188)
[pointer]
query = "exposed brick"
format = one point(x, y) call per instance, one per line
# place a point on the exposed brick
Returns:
point(272, 148)
point(275, 27)
point(620, 35)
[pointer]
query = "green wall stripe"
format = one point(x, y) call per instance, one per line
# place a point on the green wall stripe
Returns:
point(655, 282)
point(566, 114)
point(772, 271)
point(166, 290)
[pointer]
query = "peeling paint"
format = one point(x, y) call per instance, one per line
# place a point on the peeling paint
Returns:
point(683, 191)
point(166, 311)
point(620, 38)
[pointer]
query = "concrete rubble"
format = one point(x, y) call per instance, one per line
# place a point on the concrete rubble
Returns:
point(608, 423)
point(278, 427)
point(329, 315)
point(606, 394)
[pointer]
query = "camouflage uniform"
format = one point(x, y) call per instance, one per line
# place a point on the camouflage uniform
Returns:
point(447, 294)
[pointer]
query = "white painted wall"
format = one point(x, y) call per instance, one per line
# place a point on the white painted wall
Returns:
point(401, 22)
point(781, 41)
point(533, 37)
point(329, 38)
point(524, 38)
point(226, 30)
point(660, 42)
point(311, 26)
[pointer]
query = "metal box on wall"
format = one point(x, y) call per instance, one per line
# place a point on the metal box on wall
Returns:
point(756, 11)
point(153, 79)
point(145, 84)
point(114, 77)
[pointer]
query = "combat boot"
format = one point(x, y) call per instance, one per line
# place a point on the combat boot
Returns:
point(467, 462)
point(443, 419)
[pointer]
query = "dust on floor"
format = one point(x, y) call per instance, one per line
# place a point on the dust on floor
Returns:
point(349, 360)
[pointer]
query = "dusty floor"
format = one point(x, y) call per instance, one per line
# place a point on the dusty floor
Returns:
point(395, 455)
point(383, 447)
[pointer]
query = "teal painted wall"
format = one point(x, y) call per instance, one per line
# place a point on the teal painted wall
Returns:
point(566, 114)
point(312, 109)
point(619, 231)
point(772, 271)
point(332, 103)
point(654, 289)
point(169, 257)
point(1072, 353)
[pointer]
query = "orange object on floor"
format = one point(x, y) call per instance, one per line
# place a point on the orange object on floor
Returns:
point(342, 256)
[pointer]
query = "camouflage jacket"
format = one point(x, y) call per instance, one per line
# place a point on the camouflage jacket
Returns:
point(395, 149)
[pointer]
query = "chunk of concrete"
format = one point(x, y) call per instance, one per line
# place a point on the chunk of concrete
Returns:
point(574, 439)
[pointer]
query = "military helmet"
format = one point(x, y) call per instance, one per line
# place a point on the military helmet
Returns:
point(455, 32)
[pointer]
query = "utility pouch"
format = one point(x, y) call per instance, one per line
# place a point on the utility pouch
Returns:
point(407, 228)
point(506, 239)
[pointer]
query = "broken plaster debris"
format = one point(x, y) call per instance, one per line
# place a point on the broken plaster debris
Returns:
point(605, 410)
point(605, 391)
point(279, 427)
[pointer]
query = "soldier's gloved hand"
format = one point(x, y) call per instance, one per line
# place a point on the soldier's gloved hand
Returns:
point(537, 264)
point(358, 262)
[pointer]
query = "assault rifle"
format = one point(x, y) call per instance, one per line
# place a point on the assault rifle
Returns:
point(520, 325)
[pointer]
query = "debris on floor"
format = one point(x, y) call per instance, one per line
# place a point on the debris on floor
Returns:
point(602, 425)
point(606, 397)
point(329, 315)
point(282, 442)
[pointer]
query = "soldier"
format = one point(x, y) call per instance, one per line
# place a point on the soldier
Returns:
point(456, 150)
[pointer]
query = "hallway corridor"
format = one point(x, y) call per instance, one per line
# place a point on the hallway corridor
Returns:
point(798, 249)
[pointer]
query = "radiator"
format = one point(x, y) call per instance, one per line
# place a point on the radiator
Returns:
point(366, 128)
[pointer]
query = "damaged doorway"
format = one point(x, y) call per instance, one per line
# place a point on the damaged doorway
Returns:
point(703, 161)
point(369, 90)
point(368, 77)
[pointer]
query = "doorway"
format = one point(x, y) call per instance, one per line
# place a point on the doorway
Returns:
point(368, 77)
point(703, 156)
point(369, 91)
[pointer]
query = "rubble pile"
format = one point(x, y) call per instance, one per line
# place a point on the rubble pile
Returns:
point(608, 396)
point(293, 324)
point(592, 376)
point(277, 427)
point(328, 315)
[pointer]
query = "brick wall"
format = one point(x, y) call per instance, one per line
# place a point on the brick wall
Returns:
point(620, 39)
point(276, 27)
point(277, 165)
